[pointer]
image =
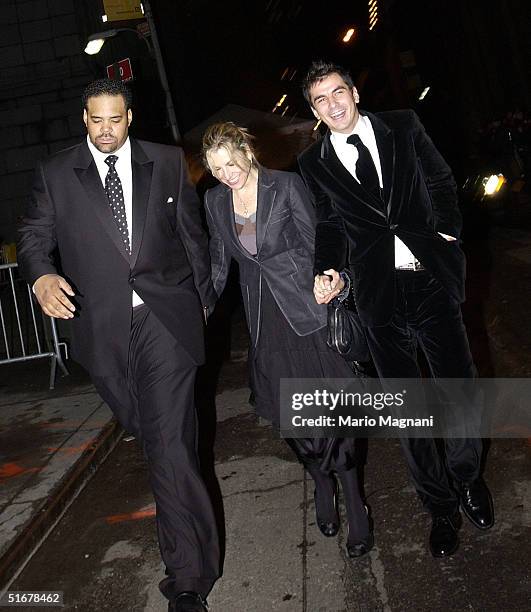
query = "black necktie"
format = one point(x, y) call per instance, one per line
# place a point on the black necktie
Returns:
point(365, 168)
point(115, 195)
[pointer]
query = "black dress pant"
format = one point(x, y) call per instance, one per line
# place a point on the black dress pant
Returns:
point(155, 402)
point(426, 316)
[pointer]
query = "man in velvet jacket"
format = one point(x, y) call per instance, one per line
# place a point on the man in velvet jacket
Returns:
point(112, 240)
point(387, 210)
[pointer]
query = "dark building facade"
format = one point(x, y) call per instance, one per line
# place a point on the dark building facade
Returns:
point(43, 71)
point(42, 75)
point(474, 55)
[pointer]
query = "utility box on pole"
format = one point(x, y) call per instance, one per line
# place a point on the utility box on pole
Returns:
point(123, 10)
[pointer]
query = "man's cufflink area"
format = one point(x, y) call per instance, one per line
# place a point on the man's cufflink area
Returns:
point(345, 277)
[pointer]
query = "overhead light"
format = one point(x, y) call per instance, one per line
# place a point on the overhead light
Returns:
point(348, 35)
point(96, 41)
point(104, 18)
point(94, 46)
point(424, 93)
point(316, 125)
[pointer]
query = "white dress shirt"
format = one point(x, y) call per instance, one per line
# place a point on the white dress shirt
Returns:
point(125, 172)
point(348, 156)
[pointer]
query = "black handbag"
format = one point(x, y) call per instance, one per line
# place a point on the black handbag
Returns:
point(345, 331)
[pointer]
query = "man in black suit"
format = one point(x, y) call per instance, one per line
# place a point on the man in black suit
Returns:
point(387, 209)
point(120, 220)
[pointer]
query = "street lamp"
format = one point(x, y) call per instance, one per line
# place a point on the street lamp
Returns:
point(96, 41)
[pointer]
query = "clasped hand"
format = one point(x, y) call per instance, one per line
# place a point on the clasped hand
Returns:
point(327, 286)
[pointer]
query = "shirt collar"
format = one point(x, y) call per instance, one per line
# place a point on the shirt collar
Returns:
point(362, 129)
point(98, 156)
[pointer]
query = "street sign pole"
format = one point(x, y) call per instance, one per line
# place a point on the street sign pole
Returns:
point(162, 73)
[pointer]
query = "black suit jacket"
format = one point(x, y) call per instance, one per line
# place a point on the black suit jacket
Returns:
point(285, 232)
point(169, 265)
point(356, 229)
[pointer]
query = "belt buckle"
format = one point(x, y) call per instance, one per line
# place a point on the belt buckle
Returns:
point(409, 267)
point(412, 266)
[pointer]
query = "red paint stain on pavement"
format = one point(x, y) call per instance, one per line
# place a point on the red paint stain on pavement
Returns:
point(71, 450)
point(131, 516)
point(10, 470)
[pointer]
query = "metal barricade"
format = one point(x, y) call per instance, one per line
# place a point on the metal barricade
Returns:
point(25, 335)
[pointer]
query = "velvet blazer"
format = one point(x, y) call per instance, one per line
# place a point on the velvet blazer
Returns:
point(285, 233)
point(357, 230)
point(69, 227)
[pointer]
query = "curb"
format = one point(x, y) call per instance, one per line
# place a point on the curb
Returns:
point(48, 515)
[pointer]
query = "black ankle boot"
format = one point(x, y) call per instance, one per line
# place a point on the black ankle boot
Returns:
point(365, 544)
point(360, 537)
point(326, 513)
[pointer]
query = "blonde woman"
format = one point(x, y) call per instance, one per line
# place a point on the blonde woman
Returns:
point(264, 220)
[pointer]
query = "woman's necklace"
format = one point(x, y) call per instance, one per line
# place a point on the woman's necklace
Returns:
point(246, 207)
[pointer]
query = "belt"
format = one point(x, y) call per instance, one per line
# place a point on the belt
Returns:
point(416, 266)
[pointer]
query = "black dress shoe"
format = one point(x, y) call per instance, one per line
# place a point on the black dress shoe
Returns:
point(444, 540)
point(476, 503)
point(328, 528)
point(358, 549)
point(187, 601)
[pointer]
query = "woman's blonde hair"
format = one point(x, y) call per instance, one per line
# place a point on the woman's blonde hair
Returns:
point(231, 137)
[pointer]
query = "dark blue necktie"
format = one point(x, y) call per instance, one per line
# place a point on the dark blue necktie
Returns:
point(365, 168)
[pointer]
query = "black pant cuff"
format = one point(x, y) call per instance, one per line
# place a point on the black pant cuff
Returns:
point(171, 586)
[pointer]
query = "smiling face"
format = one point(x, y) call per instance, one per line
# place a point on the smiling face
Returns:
point(107, 122)
point(335, 104)
point(229, 166)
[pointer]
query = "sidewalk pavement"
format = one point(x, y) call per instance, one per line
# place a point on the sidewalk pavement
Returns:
point(51, 443)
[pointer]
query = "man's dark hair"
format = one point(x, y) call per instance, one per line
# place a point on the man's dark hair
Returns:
point(320, 70)
point(107, 87)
